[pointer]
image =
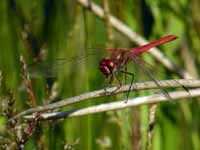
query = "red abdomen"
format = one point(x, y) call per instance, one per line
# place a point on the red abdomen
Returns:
point(141, 49)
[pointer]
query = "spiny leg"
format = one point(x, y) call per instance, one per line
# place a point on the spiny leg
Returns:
point(132, 79)
point(110, 80)
point(116, 74)
point(125, 69)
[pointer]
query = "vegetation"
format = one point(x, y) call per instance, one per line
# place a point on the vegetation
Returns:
point(43, 45)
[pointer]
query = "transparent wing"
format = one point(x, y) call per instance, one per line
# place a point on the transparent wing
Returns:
point(152, 73)
point(53, 68)
point(157, 74)
point(138, 61)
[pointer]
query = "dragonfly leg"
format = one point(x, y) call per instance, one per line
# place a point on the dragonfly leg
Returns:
point(125, 77)
point(119, 81)
point(110, 80)
point(115, 73)
point(132, 79)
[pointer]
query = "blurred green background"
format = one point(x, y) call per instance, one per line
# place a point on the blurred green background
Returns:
point(46, 30)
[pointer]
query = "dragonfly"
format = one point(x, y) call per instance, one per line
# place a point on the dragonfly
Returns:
point(117, 60)
point(120, 57)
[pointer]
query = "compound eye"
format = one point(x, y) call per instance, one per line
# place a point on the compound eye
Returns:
point(106, 66)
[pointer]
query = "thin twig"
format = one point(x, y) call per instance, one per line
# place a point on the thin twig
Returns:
point(187, 56)
point(1, 78)
point(108, 26)
point(136, 143)
point(99, 93)
point(153, 99)
point(151, 126)
point(124, 29)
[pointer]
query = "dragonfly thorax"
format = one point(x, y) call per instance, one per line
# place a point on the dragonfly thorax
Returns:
point(107, 66)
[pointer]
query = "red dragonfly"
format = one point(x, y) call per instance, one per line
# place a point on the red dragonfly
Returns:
point(119, 58)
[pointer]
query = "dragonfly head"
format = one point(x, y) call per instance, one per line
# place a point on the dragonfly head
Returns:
point(107, 66)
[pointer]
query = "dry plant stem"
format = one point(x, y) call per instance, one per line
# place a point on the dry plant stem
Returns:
point(189, 62)
point(1, 78)
point(151, 126)
point(27, 132)
point(136, 143)
point(195, 4)
point(99, 93)
point(107, 23)
point(10, 111)
point(27, 82)
point(153, 99)
point(14, 127)
point(124, 29)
